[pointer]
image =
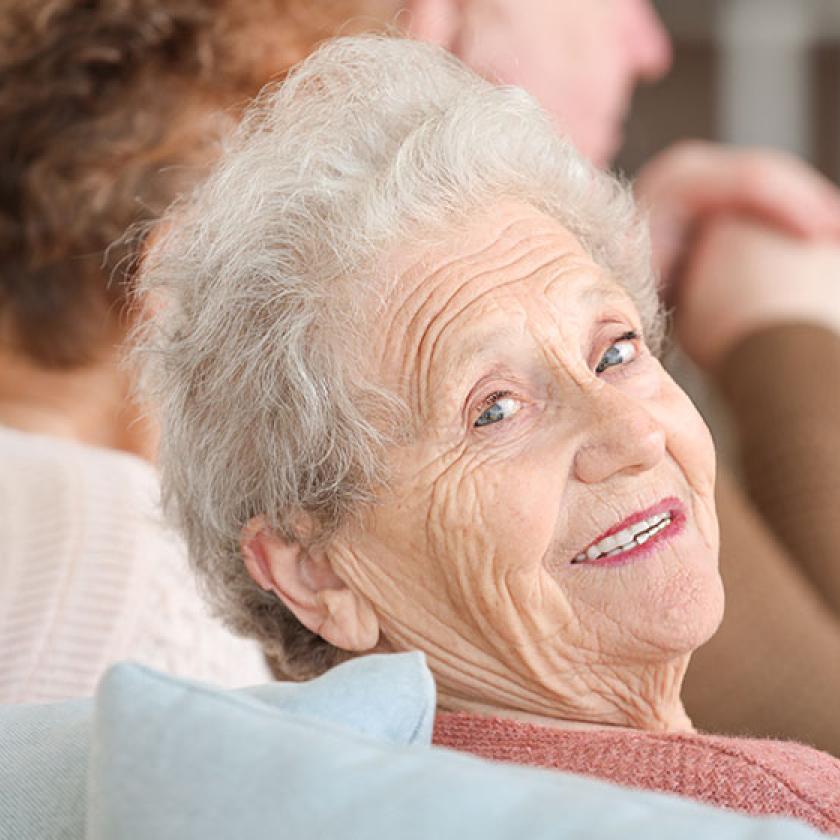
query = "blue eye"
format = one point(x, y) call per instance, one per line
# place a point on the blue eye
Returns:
point(619, 353)
point(501, 408)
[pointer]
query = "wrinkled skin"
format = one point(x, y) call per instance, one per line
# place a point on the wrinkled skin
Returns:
point(467, 556)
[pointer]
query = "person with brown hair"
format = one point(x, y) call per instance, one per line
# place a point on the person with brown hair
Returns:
point(108, 111)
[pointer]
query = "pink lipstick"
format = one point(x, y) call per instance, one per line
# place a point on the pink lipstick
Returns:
point(636, 536)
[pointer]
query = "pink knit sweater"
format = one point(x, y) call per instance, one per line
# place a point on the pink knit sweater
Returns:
point(757, 777)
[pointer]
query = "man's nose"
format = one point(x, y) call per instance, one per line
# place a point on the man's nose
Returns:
point(622, 438)
point(648, 40)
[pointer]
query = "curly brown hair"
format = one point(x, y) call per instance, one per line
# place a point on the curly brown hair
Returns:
point(104, 118)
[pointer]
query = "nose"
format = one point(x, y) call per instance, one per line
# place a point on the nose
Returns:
point(622, 438)
point(647, 40)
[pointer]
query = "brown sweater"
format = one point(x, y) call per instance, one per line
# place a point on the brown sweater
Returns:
point(784, 388)
point(773, 669)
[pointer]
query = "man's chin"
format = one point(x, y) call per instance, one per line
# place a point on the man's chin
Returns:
point(608, 148)
point(599, 141)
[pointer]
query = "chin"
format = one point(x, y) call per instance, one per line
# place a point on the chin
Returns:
point(604, 146)
point(693, 614)
point(596, 139)
point(674, 614)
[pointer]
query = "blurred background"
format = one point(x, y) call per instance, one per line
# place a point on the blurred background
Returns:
point(749, 72)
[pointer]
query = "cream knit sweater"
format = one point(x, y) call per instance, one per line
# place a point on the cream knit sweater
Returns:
point(89, 576)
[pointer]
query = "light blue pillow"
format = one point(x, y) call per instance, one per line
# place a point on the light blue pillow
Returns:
point(388, 696)
point(43, 769)
point(172, 761)
point(44, 748)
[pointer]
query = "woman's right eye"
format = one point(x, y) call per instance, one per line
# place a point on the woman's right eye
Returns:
point(499, 407)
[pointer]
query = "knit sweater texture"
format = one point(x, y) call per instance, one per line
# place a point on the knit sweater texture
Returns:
point(89, 576)
point(753, 776)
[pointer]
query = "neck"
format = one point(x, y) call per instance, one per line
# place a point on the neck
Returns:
point(644, 697)
point(91, 405)
point(674, 720)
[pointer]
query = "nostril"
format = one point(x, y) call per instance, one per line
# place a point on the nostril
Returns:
point(600, 461)
point(623, 427)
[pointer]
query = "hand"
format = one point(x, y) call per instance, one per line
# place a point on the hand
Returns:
point(743, 276)
point(692, 181)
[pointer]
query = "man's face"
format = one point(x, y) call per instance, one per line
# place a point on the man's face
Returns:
point(580, 60)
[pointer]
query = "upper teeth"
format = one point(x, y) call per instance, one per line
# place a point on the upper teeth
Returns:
point(636, 534)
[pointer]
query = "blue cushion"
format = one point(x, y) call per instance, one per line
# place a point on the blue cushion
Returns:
point(175, 760)
point(390, 696)
point(43, 768)
point(44, 748)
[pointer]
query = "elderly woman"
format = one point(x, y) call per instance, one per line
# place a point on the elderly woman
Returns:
point(411, 400)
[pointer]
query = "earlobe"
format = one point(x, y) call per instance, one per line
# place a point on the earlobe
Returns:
point(351, 623)
point(303, 579)
point(435, 21)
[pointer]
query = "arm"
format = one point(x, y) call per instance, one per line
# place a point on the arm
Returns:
point(762, 312)
point(783, 385)
point(758, 310)
point(771, 670)
point(694, 182)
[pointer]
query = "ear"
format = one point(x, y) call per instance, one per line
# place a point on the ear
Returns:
point(435, 21)
point(304, 580)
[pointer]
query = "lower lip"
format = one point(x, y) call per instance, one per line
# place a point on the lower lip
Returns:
point(638, 552)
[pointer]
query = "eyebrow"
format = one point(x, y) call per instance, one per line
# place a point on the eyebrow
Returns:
point(479, 344)
point(602, 289)
point(479, 341)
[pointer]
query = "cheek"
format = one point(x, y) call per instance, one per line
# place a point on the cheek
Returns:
point(496, 510)
point(442, 530)
point(492, 530)
point(691, 446)
point(491, 524)
point(394, 565)
point(689, 441)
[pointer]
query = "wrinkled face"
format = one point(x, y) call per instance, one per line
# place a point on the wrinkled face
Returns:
point(541, 424)
point(581, 60)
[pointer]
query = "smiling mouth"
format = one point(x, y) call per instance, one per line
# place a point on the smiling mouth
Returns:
point(637, 535)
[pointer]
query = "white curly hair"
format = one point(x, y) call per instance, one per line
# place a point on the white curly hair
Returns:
point(270, 272)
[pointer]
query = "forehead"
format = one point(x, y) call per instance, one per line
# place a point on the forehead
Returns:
point(511, 263)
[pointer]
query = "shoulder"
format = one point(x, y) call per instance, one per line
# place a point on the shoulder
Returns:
point(87, 559)
point(63, 497)
point(46, 466)
point(779, 777)
point(60, 486)
point(79, 533)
